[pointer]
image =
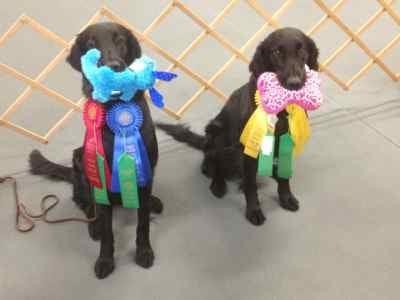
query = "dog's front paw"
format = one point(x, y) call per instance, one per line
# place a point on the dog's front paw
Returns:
point(218, 188)
point(144, 257)
point(255, 216)
point(104, 267)
point(156, 205)
point(288, 201)
point(94, 230)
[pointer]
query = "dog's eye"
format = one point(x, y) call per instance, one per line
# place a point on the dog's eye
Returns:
point(299, 46)
point(118, 39)
point(91, 43)
point(277, 52)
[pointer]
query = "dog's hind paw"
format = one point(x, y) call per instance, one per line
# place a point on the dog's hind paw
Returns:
point(288, 201)
point(156, 205)
point(255, 216)
point(144, 257)
point(218, 188)
point(104, 267)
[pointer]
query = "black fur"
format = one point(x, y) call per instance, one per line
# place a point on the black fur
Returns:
point(119, 48)
point(285, 52)
point(42, 166)
point(183, 134)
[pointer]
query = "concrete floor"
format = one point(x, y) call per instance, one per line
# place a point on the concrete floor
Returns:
point(342, 244)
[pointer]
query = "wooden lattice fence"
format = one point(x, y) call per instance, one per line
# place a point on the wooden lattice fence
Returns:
point(271, 20)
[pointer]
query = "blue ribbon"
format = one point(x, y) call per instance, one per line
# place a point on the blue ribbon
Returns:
point(125, 120)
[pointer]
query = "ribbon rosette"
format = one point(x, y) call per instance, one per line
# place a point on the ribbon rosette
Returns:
point(96, 167)
point(131, 166)
point(94, 119)
point(274, 98)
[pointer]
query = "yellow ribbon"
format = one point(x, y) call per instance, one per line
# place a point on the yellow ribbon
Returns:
point(299, 127)
point(257, 127)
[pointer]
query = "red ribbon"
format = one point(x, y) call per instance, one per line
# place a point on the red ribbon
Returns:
point(94, 119)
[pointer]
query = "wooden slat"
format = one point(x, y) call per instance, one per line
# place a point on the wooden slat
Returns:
point(44, 31)
point(196, 42)
point(269, 22)
point(28, 91)
point(210, 30)
point(192, 45)
point(23, 131)
point(371, 62)
point(45, 72)
point(390, 11)
point(37, 85)
point(166, 11)
point(14, 28)
point(63, 120)
point(264, 14)
point(325, 18)
point(355, 37)
point(360, 31)
point(204, 33)
point(165, 54)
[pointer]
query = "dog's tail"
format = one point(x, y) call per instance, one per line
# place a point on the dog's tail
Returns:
point(183, 134)
point(42, 166)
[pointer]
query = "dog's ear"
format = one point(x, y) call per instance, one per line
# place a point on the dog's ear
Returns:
point(74, 56)
point(261, 60)
point(134, 50)
point(313, 54)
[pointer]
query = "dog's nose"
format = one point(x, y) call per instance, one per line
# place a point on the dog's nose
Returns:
point(294, 83)
point(116, 65)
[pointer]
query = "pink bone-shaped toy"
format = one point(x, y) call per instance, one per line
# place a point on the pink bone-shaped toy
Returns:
point(274, 97)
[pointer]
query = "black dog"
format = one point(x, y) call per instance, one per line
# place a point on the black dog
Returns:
point(119, 48)
point(285, 52)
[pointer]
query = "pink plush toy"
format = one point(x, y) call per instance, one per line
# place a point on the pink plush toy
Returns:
point(274, 98)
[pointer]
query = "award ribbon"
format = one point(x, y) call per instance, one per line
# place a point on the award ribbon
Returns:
point(131, 166)
point(96, 167)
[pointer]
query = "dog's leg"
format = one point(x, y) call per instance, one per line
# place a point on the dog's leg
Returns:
point(144, 256)
point(81, 187)
point(286, 198)
point(82, 195)
point(253, 210)
point(218, 183)
point(214, 152)
point(156, 205)
point(105, 262)
point(94, 228)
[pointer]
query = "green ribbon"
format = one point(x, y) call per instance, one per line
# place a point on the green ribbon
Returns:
point(127, 179)
point(266, 156)
point(285, 157)
point(100, 195)
point(284, 161)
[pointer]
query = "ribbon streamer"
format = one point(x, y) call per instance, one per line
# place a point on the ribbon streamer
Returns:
point(125, 120)
point(94, 120)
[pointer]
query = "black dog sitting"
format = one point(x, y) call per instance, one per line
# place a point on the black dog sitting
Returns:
point(285, 52)
point(119, 48)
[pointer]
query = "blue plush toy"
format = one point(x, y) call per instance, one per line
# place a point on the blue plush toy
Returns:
point(110, 85)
